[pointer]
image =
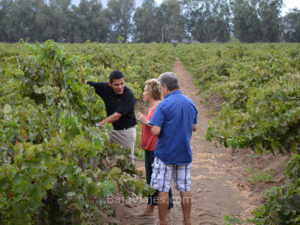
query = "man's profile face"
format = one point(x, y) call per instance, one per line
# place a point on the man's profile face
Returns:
point(164, 90)
point(117, 85)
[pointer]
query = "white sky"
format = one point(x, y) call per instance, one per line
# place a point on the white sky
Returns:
point(290, 4)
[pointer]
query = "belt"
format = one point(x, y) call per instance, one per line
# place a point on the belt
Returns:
point(125, 128)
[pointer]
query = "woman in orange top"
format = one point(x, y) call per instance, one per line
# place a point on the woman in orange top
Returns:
point(152, 95)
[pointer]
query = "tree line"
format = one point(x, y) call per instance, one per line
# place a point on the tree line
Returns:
point(172, 21)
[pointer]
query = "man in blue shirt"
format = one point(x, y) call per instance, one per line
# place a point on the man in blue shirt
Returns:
point(173, 122)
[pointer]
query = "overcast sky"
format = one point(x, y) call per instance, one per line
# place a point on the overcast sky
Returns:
point(290, 4)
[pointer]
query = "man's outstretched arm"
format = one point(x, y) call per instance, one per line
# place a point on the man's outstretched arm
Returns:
point(112, 118)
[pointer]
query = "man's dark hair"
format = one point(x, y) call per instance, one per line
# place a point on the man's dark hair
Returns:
point(114, 75)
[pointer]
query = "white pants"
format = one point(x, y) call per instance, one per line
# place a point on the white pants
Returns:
point(126, 138)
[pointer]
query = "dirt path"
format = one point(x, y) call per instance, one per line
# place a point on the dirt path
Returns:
point(217, 190)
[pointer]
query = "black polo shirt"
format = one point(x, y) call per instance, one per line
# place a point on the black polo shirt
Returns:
point(123, 104)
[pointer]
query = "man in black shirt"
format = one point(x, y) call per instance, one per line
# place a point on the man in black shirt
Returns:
point(119, 105)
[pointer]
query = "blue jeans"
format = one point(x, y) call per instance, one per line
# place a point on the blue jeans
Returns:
point(153, 199)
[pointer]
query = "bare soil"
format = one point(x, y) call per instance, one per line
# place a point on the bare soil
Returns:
point(220, 185)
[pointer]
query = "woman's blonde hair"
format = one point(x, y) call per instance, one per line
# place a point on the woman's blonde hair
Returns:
point(153, 87)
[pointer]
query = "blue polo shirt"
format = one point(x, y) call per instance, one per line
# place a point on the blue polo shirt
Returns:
point(175, 115)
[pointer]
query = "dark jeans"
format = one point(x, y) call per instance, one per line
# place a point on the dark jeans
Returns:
point(153, 199)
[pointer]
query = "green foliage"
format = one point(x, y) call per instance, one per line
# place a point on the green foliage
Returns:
point(146, 28)
point(231, 220)
point(246, 21)
point(170, 21)
point(55, 167)
point(120, 12)
point(268, 192)
point(261, 176)
point(208, 20)
point(258, 176)
point(292, 19)
point(282, 205)
point(260, 88)
point(269, 14)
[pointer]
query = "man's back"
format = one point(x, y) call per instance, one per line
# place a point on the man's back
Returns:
point(176, 115)
point(173, 121)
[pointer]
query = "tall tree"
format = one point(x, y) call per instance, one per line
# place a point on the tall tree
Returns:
point(120, 14)
point(90, 22)
point(171, 21)
point(145, 29)
point(196, 13)
point(208, 20)
point(16, 19)
point(221, 21)
point(291, 23)
point(246, 22)
point(61, 11)
point(47, 22)
point(4, 11)
point(53, 19)
point(269, 12)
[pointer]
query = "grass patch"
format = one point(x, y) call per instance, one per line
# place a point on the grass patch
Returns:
point(258, 176)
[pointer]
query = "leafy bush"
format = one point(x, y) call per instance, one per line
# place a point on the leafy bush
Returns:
point(260, 86)
point(56, 168)
point(282, 205)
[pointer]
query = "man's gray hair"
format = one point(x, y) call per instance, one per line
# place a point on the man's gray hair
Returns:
point(169, 79)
